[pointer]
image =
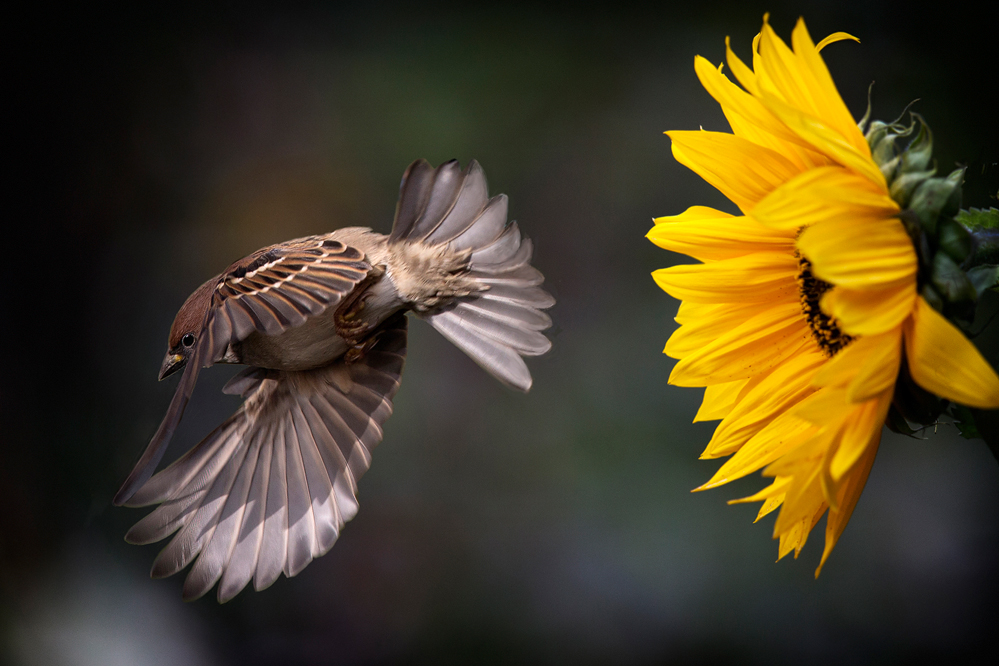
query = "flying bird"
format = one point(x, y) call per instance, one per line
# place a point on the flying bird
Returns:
point(321, 323)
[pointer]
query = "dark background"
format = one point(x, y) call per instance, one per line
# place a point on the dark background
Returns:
point(147, 148)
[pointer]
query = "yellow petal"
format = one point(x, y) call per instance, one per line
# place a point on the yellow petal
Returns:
point(743, 74)
point(714, 321)
point(762, 277)
point(802, 500)
point(824, 139)
point(848, 495)
point(869, 311)
point(803, 157)
point(770, 505)
point(790, 539)
point(691, 313)
point(799, 80)
point(823, 194)
point(783, 74)
point(781, 435)
point(741, 170)
point(835, 37)
point(785, 387)
point(772, 497)
point(775, 489)
point(828, 406)
point(880, 370)
point(811, 524)
point(719, 400)
point(860, 252)
point(829, 104)
point(735, 100)
point(866, 368)
point(755, 347)
point(862, 429)
point(707, 234)
point(945, 363)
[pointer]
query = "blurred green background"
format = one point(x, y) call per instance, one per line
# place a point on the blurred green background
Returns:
point(149, 147)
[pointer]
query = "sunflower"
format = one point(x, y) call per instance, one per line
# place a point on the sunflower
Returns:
point(805, 310)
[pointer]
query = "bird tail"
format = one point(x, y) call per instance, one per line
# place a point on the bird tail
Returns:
point(504, 320)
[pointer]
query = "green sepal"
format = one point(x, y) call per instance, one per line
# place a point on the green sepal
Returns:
point(918, 153)
point(935, 197)
point(954, 239)
point(953, 204)
point(931, 296)
point(905, 184)
point(951, 282)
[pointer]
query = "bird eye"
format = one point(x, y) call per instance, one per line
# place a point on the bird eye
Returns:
point(187, 340)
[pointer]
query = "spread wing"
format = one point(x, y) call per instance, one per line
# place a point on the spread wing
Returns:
point(270, 291)
point(270, 489)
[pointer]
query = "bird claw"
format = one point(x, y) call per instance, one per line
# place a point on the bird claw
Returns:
point(358, 350)
point(348, 322)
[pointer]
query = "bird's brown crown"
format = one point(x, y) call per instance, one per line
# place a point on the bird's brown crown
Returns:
point(191, 316)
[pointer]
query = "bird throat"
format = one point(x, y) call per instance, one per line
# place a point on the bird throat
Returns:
point(825, 329)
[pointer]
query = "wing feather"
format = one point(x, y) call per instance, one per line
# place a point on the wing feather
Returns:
point(414, 192)
point(469, 203)
point(301, 524)
point(485, 228)
point(274, 540)
point(215, 555)
point(500, 250)
point(191, 538)
point(243, 561)
point(443, 196)
point(501, 361)
point(324, 514)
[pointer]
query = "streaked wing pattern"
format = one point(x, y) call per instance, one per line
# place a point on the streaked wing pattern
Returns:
point(280, 287)
point(269, 490)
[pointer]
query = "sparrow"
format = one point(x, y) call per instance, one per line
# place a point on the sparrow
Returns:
point(321, 323)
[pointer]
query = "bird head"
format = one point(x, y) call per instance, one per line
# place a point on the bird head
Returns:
point(187, 329)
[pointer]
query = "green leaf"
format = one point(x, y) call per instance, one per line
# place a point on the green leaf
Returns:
point(984, 246)
point(984, 277)
point(897, 423)
point(965, 421)
point(979, 218)
point(987, 422)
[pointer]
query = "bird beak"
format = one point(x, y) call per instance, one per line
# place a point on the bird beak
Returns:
point(171, 364)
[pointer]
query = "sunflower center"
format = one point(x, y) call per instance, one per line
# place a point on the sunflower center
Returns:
point(825, 329)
